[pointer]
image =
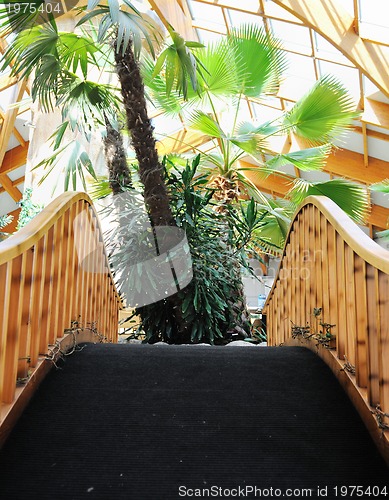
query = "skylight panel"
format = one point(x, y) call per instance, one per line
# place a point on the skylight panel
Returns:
point(294, 38)
point(237, 18)
point(348, 76)
point(325, 50)
point(207, 37)
point(347, 5)
point(374, 20)
point(248, 5)
point(274, 10)
point(299, 77)
point(210, 14)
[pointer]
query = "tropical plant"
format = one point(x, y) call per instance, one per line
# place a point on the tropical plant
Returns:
point(217, 249)
point(63, 63)
point(4, 221)
point(382, 187)
point(248, 63)
point(29, 209)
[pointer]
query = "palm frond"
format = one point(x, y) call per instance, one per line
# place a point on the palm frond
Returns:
point(172, 103)
point(29, 47)
point(350, 197)
point(307, 159)
point(84, 103)
point(124, 22)
point(181, 64)
point(206, 124)
point(17, 16)
point(99, 188)
point(382, 187)
point(326, 112)
point(74, 161)
point(259, 58)
point(221, 78)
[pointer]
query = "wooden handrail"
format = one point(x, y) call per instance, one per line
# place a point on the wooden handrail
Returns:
point(332, 273)
point(54, 281)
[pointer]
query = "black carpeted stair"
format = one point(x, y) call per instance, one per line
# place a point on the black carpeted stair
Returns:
point(138, 422)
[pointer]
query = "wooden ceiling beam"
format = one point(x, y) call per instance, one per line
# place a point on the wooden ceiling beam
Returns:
point(14, 158)
point(181, 142)
point(12, 190)
point(7, 81)
point(274, 184)
point(11, 227)
point(9, 120)
point(376, 113)
point(171, 12)
point(336, 25)
point(16, 182)
point(348, 164)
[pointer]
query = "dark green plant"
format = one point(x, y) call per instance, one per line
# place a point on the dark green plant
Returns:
point(29, 209)
point(218, 243)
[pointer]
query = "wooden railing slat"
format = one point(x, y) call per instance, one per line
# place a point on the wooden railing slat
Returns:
point(15, 269)
point(46, 292)
point(46, 281)
point(361, 355)
point(341, 297)
point(342, 271)
point(25, 329)
point(350, 306)
point(373, 334)
point(383, 312)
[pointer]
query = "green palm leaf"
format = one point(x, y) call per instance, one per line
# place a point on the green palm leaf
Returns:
point(307, 159)
point(77, 161)
point(29, 47)
point(222, 77)
point(172, 103)
point(351, 197)
point(124, 22)
point(259, 58)
point(382, 187)
point(17, 16)
point(84, 102)
point(181, 64)
point(206, 124)
point(323, 114)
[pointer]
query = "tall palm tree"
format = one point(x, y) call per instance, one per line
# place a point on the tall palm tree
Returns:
point(122, 29)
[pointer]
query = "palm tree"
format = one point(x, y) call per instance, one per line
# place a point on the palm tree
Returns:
point(57, 57)
point(248, 64)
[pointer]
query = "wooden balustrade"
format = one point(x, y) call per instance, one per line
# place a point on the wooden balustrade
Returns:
point(329, 263)
point(54, 277)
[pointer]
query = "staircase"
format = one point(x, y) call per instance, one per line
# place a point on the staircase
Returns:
point(165, 422)
point(140, 422)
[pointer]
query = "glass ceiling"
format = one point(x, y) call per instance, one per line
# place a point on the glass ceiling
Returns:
point(311, 56)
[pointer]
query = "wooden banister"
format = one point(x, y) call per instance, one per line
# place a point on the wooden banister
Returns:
point(54, 280)
point(332, 273)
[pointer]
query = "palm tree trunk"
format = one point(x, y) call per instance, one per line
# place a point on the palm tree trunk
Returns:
point(115, 156)
point(150, 169)
point(143, 141)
